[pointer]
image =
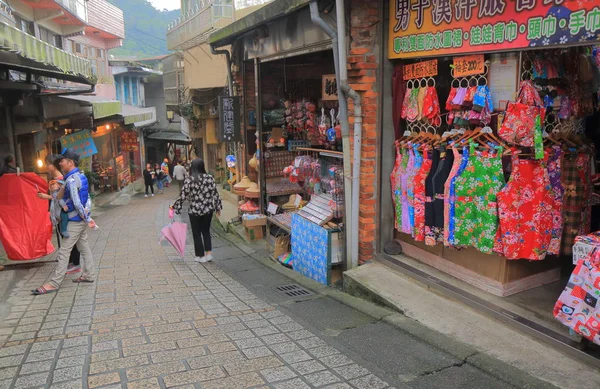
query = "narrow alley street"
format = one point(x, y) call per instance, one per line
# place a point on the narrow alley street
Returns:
point(153, 320)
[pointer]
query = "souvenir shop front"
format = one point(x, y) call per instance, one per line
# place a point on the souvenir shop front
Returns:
point(493, 182)
point(291, 187)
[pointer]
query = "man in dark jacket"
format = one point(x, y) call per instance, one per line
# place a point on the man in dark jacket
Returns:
point(10, 165)
point(75, 194)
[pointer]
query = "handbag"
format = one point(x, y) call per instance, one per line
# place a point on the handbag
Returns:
point(522, 121)
point(578, 307)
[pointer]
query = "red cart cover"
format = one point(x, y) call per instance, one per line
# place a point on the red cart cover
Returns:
point(25, 227)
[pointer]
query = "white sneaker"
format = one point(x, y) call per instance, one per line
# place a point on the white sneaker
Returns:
point(199, 260)
point(145, 195)
point(207, 258)
point(152, 194)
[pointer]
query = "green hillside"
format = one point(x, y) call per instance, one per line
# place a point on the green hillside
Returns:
point(145, 28)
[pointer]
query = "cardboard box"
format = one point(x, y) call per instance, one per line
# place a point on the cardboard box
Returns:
point(262, 221)
point(254, 233)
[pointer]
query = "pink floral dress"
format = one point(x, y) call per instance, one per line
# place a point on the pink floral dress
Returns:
point(419, 201)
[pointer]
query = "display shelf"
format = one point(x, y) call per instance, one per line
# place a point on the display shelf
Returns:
point(324, 153)
point(283, 188)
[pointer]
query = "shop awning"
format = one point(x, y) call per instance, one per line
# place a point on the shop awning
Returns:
point(139, 117)
point(278, 8)
point(171, 137)
point(101, 106)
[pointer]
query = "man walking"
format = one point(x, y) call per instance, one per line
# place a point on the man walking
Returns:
point(75, 194)
point(179, 173)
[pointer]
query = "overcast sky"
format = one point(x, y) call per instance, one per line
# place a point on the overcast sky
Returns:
point(168, 4)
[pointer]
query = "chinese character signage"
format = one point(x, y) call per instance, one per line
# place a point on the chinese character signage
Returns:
point(329, 87)
point(129, 141)
point(468, 66)
point(420, 70)
point(440, 27)
point(229, 119)
point(81, 142)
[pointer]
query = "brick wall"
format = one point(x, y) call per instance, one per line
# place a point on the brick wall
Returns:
point(363, 65)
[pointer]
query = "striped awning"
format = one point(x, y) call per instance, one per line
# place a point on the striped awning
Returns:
point(101, 106)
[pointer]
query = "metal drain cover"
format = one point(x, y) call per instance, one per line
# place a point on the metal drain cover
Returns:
point(294, 290)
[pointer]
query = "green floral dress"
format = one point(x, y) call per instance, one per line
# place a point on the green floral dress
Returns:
point(476, 208)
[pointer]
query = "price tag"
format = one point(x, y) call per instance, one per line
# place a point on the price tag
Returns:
point(469, 65)
point(272, 208)
point(298, 200)
point(580, 251)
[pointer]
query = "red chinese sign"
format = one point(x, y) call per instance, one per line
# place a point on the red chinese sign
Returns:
point(420, 70)
point(129, 141)
point(468, 66)
point(421, 28)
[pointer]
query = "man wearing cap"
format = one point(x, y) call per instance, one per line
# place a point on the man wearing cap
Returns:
point(75, 194)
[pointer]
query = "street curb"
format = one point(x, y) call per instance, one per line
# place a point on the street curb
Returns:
point(465, 353)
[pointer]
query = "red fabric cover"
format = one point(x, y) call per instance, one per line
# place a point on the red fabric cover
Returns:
point(25, 227)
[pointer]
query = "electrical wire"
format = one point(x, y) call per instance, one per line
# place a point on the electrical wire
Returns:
point(150, 35)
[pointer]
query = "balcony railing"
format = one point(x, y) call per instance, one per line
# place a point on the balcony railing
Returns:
point(194, 26)
point(75, 7)
point(13, 39)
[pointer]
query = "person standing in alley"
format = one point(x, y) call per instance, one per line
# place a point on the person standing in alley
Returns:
point(179, 173)
point(149, 179)
point(159, 177)
point(167, 175)
point(10, 165)
point(75, 194)
point(200, 189)
point(58, 216)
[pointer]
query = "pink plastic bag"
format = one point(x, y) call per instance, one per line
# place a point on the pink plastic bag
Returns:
point(171, 213)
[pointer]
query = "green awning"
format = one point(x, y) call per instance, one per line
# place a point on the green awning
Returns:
point(101, 107)
point(170, 137)
point(139, 117)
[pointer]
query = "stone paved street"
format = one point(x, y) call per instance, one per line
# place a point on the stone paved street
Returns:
point(153, 320)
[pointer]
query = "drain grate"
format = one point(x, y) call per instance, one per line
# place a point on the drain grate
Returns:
point(294, 290)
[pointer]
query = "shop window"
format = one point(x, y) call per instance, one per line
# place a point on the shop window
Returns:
point(118, 86)
point(126, 90)
point(134, 90)
point(24, 25)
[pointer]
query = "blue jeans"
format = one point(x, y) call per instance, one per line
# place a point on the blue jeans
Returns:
point(159, 184)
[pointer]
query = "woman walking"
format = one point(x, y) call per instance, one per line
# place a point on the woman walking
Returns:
point(200, 190)
point(57, 214)
point(149, 179)
point(159, 177)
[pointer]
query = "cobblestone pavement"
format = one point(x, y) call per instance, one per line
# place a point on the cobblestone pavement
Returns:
point(153, 320)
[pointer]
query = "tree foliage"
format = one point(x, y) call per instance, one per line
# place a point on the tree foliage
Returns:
point(145, 28)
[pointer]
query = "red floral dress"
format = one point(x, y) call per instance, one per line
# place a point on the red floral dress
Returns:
point(524, 207)
point(419, 202)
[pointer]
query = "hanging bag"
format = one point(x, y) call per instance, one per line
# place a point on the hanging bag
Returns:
point(578, 307)
point(519, 125)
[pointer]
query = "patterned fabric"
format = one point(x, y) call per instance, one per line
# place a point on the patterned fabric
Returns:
point(452, 196)
point(410, 165)
point(519, 124)
point(310, 254)
point(459, 98)
point(421, 102)
point(577, 307)
point(419, 202)
point(524, 206)
point(584, 160)
point(451, 96)
point(411, 187)
point(554, 170)
point(201, 192)
point(412, 107)
point(433, 232)
point(476, 220)
point(396, 182)
point(572, 178)
point(405, 104)
point(483, 98)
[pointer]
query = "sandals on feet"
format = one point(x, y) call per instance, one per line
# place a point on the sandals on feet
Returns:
point(42, 290)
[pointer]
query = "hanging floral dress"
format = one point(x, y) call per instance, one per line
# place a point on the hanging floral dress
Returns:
point(410, 165)
point(554, 170)
point(411, 187)
point(419, 202)
point(396, 184)
point(465, 188)
point(523, 207)
point(452, 196)
point(457, 162)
